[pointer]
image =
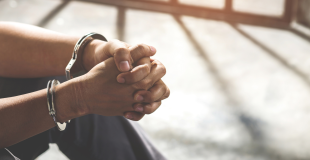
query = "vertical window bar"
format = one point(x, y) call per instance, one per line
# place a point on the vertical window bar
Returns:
point(289, 10)
point(228, 5)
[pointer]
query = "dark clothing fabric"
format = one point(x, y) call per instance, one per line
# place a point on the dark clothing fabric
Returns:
point(91, 137)
point(6, 155)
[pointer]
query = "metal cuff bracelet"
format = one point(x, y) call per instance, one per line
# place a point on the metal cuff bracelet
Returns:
point(78, 49)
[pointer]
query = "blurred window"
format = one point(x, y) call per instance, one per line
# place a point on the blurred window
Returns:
point(262, 7)
point(205, 3)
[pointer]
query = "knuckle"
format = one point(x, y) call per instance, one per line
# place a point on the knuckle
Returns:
point(121, 51)
point(142, 47)
point(156, 62)
point(163, 70)
point(168, 94)
point(151, 98)
point(144, 84)
point(146, 69)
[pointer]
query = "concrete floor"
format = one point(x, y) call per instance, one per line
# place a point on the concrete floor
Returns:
point(238, 92)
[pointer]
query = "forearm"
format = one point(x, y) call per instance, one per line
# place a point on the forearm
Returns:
point(24, 116)
point(28, 51)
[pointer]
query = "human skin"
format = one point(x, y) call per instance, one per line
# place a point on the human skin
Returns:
point(29, 52)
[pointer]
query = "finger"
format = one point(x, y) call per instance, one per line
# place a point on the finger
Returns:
point(144, 60)
point(147, 108)
point(141, 50)
point(136, 74)
point(121, 53)
point(166, 95)
point(153, 94)
point(158, 70)
point(135, 116)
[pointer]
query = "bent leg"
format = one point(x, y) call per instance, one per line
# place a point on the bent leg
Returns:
point(100, 137)
point(88, 137)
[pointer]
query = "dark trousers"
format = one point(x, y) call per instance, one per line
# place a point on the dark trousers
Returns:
point(91, 137)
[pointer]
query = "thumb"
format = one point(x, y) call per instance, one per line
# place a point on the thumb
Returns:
point(121, 53)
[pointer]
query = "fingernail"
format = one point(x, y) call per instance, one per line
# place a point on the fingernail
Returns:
point(139, 109)
point(121, 80)
point(129, 116)
point(153, 49)
point(139, 98)
point(124, 66)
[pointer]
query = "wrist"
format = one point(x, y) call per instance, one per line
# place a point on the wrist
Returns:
point(66, 105)
point(89, 55)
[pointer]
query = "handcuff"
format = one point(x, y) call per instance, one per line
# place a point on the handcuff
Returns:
point(78, 50)
point(51, 106)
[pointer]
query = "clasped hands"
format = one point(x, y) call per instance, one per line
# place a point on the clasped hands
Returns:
point(122, 81)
